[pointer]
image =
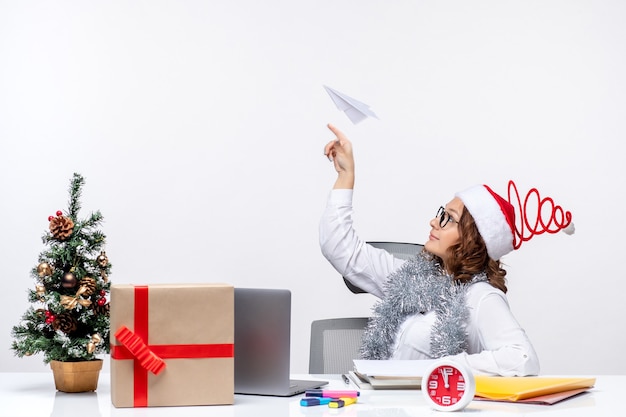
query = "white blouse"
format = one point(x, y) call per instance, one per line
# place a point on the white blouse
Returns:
point(497, 345)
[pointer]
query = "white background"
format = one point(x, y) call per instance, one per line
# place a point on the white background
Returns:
point(199, 128)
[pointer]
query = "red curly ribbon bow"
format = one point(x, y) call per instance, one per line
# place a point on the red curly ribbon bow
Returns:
point(147, 359)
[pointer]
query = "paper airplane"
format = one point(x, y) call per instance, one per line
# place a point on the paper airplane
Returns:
point(354, 109)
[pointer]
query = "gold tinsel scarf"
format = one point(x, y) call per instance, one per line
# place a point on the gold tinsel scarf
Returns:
point(420, 286)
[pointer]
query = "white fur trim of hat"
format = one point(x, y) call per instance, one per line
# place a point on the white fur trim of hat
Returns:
point(490, 219)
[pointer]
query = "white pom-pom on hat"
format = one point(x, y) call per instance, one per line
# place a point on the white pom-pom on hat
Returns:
point(569, 230)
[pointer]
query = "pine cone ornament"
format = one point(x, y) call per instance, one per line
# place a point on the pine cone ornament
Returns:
point(89, 284)
point(61, 227)
point(65, 322)
point(100, 310)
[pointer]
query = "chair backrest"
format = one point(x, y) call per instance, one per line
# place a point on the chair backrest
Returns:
point(397, 249)
point(334, 344)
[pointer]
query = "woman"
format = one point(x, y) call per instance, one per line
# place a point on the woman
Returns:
point(449, 301)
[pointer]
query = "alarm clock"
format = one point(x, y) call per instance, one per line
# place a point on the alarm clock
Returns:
point(448, 385)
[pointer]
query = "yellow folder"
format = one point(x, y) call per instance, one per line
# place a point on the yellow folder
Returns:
point(521, 388)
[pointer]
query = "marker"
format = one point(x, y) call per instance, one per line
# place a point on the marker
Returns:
point(341, 402)
point(331, 393)
point(311, 401)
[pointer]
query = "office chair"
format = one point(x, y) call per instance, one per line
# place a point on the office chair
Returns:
point(397, 249)
point(334, 344)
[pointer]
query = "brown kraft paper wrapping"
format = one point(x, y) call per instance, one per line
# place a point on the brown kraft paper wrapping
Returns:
point(197, 317)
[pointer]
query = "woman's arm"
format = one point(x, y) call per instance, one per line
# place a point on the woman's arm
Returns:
point(363, 265)
point(507, 350)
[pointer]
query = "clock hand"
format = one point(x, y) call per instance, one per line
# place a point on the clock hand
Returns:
point(444, 373)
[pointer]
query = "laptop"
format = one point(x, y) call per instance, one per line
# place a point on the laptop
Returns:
point(263, 344)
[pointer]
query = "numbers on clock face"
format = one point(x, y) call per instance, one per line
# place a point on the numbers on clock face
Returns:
point(446, 385)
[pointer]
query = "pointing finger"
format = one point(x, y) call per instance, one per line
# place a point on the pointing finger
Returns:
point(338, 133)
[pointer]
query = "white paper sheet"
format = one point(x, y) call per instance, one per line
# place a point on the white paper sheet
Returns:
point(394, 367)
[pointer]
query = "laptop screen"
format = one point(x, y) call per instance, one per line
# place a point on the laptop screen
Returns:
point(263, 343)
point(262, 340)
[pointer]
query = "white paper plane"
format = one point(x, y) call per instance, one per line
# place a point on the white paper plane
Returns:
point(354, 109)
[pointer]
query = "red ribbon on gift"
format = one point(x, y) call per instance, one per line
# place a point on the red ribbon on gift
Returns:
point(150, 357)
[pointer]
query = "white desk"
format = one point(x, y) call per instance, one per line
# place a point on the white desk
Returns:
point(34, 395)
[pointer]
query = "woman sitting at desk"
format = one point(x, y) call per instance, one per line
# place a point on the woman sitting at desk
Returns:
point(448, 301)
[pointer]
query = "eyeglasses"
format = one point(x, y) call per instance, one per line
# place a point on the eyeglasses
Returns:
point(444, 217)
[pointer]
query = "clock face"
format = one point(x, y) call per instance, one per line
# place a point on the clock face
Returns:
point(447, 387)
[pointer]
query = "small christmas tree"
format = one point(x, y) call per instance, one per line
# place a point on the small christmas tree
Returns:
point(69, 321)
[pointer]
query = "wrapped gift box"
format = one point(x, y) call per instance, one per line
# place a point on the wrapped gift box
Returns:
point(172, 345)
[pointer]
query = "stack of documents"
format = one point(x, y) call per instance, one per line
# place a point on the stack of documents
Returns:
point(533, 390)
point(389, 374)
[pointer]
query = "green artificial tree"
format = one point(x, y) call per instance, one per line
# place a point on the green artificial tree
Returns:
point(69, 318)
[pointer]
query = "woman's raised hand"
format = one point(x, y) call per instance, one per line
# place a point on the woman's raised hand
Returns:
point(339, 151)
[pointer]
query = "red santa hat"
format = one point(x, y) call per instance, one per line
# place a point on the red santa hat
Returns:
point(495, 217)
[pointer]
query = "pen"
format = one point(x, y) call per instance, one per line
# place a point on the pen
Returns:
point(311, 401)
point(341, 402)
point(331, 393)
point(345, 379)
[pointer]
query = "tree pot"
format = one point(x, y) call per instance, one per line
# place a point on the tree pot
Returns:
point(76, 376)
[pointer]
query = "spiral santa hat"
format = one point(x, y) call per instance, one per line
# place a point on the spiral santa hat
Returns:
point(496, 221)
